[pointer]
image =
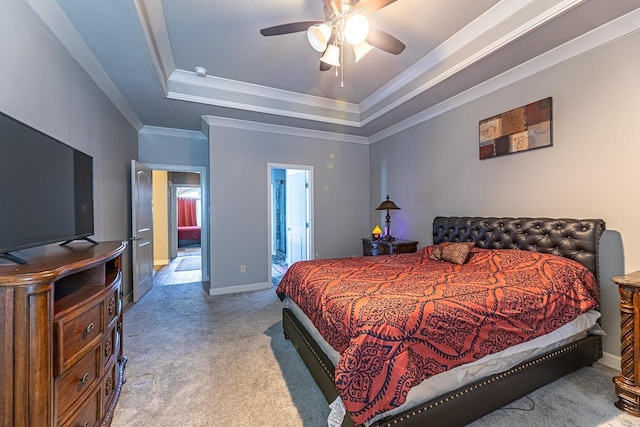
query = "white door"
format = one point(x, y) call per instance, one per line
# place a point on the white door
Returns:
point(296, 215)
point(142, 226)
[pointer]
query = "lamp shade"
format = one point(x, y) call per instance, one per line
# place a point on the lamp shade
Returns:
point(387, 205)
point(331, 55)
point(318, 36)
point(360, 50)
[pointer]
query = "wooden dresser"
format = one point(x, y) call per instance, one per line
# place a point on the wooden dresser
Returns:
point(61, 361)
point(373, 247)
point(628, 382)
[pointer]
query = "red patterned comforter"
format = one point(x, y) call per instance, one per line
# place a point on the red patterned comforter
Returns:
point(397, 320)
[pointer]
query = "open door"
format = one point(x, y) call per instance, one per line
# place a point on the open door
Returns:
point(142, 226)
point(290, 218)
point(297, 215)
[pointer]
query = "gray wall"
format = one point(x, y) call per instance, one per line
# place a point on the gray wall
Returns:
point(590, 172)
point(239, 212)
point(41, 85)
point(173, 147)
point(185, 178)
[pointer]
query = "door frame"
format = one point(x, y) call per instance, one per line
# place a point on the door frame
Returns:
point(310, 204)
point(205, 210)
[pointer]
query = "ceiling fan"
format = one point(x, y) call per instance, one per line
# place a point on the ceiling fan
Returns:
point(344, 24)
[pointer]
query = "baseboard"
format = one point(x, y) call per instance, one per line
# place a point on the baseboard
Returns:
point(128, 299)
point(239, 288)
point(611, 360)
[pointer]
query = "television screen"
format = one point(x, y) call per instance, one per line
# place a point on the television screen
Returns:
point(46, 187)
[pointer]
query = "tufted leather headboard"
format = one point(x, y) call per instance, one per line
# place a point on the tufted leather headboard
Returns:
point(575, 239)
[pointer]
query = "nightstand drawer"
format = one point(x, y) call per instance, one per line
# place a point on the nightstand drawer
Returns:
point(373, 247)
point(379, 248)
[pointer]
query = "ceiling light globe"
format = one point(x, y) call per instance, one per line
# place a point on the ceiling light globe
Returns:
point(331, 55)
point(318, 36)
point(356, 29)
point(360, 50)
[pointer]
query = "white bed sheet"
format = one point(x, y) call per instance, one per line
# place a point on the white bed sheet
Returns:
point(488, 365)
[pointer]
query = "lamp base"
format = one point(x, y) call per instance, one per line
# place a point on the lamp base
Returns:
point(388, 238)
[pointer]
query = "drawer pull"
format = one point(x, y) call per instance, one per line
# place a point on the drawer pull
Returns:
point(87, 424)
point(84, 378)
point(108, 386)
point(89, 328)
point(108, 346)
point(112, 306)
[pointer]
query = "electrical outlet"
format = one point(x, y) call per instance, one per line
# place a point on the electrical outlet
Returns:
point(243, 268)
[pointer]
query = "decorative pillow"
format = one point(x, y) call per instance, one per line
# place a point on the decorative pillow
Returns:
point(455, 252)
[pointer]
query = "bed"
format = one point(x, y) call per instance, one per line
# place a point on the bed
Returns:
point(480, 391)
point(188, 235)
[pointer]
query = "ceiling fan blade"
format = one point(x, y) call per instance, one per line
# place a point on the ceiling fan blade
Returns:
point(333, 6)
point(370, 6)
point(324, 66)
point(385, 41)
point(293, 27)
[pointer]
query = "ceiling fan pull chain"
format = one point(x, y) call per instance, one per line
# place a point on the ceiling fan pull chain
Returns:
point(342, 64)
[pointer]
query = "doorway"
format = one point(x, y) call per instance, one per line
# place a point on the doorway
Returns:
point(181, 221)
point(290, 217)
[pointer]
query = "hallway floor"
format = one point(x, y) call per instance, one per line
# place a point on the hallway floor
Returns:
point(185, 268)
point(278, 268)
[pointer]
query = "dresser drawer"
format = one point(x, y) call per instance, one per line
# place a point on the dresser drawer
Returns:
point(110, 344)
point(108, 385)
point(77, 332)
point(87, 415)
point(113, 303)
point(73, 385)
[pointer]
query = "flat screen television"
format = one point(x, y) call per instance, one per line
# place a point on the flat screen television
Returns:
point(46, 191)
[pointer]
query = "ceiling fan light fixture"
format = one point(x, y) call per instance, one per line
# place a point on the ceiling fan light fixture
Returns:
point(360, 50)
point(318, 36)
point(356, 29)
point(331, 55)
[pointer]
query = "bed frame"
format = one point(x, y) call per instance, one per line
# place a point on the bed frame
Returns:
point(571, 238)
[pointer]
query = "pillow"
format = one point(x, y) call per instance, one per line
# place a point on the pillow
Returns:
point(455, 252)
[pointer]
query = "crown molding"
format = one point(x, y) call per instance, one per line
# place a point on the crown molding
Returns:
point(172, 132)
point(155, 38)
point(600, 36)
point(187, 86)
point(213, 121)
point(58, 24)
point(487, 21)
point(498, 13)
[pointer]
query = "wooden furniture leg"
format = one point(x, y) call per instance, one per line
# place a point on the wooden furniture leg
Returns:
point(628, 382)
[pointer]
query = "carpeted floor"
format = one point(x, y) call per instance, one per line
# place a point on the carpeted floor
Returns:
point(197, 360)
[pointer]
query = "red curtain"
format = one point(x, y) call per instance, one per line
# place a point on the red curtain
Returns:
point(186, 212)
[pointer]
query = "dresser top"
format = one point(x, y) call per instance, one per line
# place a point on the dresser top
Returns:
point(51, 262)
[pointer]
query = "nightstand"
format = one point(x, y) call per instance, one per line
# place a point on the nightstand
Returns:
point(373, 247)
point(628, 382)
